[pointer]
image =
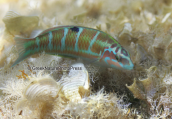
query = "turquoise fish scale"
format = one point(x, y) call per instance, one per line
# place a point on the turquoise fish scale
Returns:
point(76, 42)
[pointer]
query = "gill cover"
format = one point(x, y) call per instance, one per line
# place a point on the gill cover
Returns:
point(117, 57)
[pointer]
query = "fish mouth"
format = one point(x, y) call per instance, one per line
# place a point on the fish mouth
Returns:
point(129, 67)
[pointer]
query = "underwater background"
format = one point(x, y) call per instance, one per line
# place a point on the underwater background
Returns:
point(31, 91)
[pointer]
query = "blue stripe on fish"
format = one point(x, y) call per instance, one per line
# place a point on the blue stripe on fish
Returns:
point(63, 39)
point(107, 58)
point(50, 46)
point(77, 38)
point(92, 41)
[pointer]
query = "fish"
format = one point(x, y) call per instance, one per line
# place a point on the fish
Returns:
point(89, 44)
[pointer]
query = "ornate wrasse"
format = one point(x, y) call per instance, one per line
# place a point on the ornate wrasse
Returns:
point(76, 42)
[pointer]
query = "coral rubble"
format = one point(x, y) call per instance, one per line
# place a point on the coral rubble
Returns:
point(41, 86)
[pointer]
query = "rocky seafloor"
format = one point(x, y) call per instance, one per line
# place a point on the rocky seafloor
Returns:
point(143, 27)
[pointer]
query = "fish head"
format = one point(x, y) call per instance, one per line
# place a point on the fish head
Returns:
point(115, 56)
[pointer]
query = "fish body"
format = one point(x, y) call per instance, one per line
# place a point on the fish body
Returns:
point(76, 42)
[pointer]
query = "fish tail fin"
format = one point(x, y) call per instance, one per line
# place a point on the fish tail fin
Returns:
point(21, 48)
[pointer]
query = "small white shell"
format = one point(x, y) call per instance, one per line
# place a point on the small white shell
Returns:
point(40, 92)
point(76, 84)
point(42, 89)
